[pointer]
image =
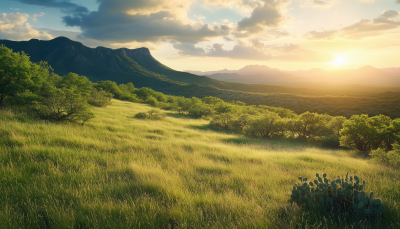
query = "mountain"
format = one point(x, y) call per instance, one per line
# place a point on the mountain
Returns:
point(261, 74)
point(120, 65)
point(247, 70)
point(366, 75)
point(257, 78)
point(309, 92)
point(392, 70)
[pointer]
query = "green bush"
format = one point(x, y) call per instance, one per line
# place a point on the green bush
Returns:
point(151, 115)
point(341, 195)
point(390, 158)
point(100, 98)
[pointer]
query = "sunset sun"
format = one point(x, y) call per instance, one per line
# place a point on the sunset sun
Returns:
point(340, 60)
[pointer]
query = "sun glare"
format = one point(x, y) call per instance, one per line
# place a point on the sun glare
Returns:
point(340, 60)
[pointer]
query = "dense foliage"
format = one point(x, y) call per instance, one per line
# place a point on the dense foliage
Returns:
point(152, 115)
point(53, 97)
point(68, 98)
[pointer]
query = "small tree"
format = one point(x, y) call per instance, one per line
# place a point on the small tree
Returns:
point(365, 134)
point(223, 120)
point(63, 102)
point(100, 98)
point(18, 74)
point(268, 126)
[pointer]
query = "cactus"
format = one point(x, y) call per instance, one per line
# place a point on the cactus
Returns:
point(326, 194)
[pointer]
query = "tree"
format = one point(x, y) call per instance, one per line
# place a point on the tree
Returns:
point(63, 102)
point(336, 124)
point(365, 134)
point(311, 124)
point(100, 98)
point(268, 126)
point(356, 133)
point(200, 110)
point(110, 87)
point(18, 74)
point(223, 120)
point(241, 122)
point(211, 100)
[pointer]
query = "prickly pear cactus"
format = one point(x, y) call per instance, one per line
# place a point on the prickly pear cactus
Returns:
point(346, 193)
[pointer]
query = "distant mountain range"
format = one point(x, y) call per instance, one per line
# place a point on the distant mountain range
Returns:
point(261, 74)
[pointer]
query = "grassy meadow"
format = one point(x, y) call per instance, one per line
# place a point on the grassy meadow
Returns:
point(120, 172)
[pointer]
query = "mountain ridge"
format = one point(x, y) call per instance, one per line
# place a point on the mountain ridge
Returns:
point(366, 75)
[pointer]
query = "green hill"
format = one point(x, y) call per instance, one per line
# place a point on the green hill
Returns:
point(119, 172)
point(143, 70)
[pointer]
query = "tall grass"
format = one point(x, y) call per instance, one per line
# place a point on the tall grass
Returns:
point(121, 172)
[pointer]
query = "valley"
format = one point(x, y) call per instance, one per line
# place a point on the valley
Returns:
point(139, 67)
point(118, 172)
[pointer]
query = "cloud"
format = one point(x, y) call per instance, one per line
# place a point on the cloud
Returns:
point(320, 3)
point(65, 5)
point(239, 51)
point(256, 50)
point(243, 4)
point(35, 16)
point(362, 29)
point(14, 26)
point(143, 20)
point(186, 49)
point(267, 14)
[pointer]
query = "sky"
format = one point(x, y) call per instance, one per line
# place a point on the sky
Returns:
point(205, 35)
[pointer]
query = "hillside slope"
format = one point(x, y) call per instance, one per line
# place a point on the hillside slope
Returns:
point(137, 66)
point(119, 172)
point(143, 70)
point(120, 65)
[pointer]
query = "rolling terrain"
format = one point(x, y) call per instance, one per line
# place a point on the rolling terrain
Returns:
point(143, 70)
point(119, 172)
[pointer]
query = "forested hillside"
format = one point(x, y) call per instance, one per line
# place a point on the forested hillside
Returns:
point(143, 70)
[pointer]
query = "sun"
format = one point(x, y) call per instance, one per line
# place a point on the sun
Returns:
point(340, 60)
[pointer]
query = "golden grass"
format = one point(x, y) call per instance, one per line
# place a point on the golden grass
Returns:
point(120, 172)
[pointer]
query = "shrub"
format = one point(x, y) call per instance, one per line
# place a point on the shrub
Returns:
point(63, 104)
point(100, 98)
point(391, 158)
point(141, 115)
point(338, 196)
point(152, 115)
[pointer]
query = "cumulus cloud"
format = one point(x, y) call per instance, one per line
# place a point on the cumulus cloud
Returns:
point(256, 50)
point(320, 3)
point(65, 5)
point(14, 26)
point(139, 20)
point(239, 51)
point(244, 4)
point(187, 49)
point(267, 14)
point(362, 29)
point(35, 16)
